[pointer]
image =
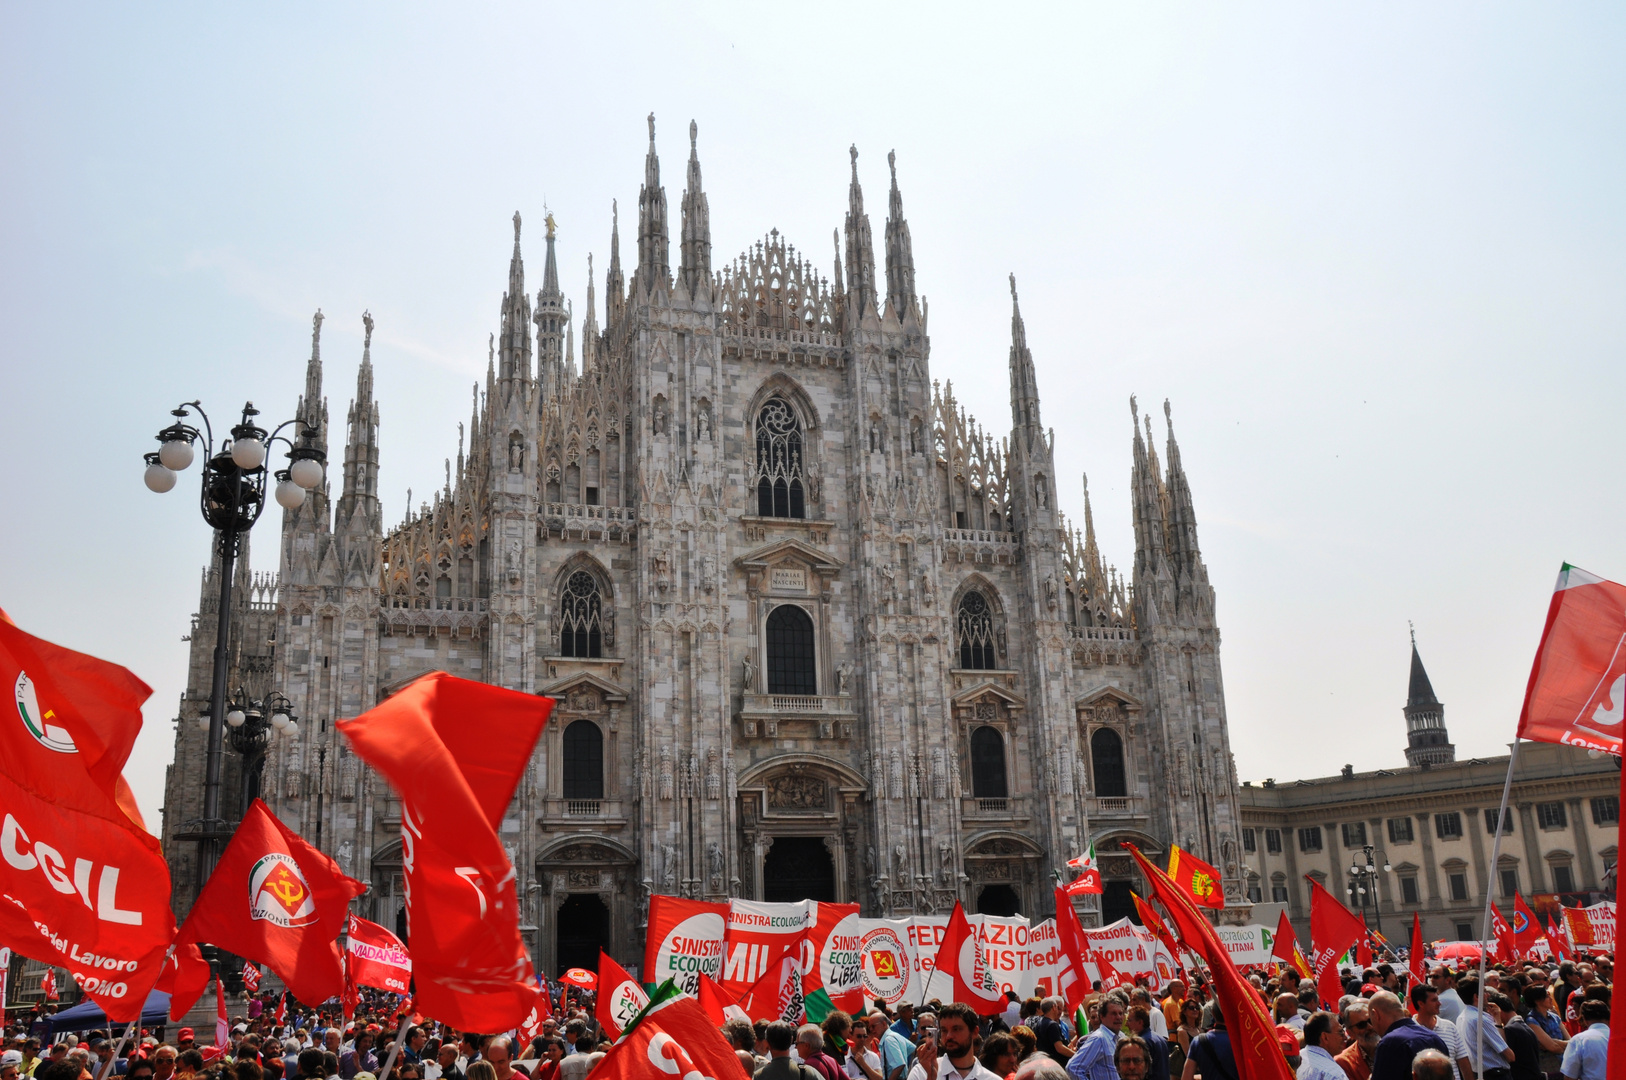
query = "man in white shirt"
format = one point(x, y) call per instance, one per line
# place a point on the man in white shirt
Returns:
point(1486, 1050)
point(864, 1062)
point(1323, 1038)
point(950, 1056)
point(1425, 1002)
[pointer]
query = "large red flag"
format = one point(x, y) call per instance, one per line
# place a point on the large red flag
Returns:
point(777, 995)
point(1415, 958)
point(1333, 929)
point(1197, 879)
point(376, 957)
point(276, 899)
point(1526, 928)
point(1558, 939)
point(87, 885)
point(1286, 946)
point(1577, 689)
point(1253, 1036)
point(454, 751)
point(961, 959)
point(1507, 947)
point(620, 998)
point(673, 1038)
point(1072, 983)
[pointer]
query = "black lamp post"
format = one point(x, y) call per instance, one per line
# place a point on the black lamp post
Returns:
point(251, 725)
point(233, 494)
point(1363, 881)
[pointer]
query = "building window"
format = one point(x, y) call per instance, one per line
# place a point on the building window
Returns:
point(1354, 834)
point(1465, 931)
point(1551, 815)
point(1510, 882)
point(1606, 810)
point(584, 761)
point(974, 624)
point(1563, 878)
point(1107, 756)
point(791, 659)
point(1255, 894)
point(1408, 890)
point(581, 617)
point(1249, 844)
point(1490, 822)
point(1273, 841)
point(1310, 838)
point(1459, 886)
point(1278, 894)
point(988, 764)
point(1400, 830)
point(1448, 826)
point(779, 464)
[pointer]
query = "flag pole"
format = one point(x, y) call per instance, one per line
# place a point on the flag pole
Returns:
point(395, 1047)
point(1490, 900)
point(117, 1050)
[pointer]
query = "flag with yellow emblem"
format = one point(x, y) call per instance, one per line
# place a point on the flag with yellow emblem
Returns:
point(1195, 878)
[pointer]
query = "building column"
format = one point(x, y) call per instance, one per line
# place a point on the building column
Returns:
point(1532, 849)
point(1333, 850)
point(1583, 847)
point(1425, 832)
point(1476, 844)
point(1294, 878)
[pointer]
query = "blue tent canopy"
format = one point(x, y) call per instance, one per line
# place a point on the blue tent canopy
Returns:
point(87, 1014)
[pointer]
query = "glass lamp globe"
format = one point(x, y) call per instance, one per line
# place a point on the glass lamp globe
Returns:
point(158, 478)
point(236, 717)
point(279, 720)
point(175, 454)
point(292, 729)
point(203, 722)
point(290, 496)
point(306, 472)
point(248, 453)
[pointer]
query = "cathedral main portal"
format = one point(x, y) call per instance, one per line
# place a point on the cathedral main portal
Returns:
point(799, 868)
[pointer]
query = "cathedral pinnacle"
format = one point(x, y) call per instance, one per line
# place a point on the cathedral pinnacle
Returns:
point(860, 252)
point(1024, 382)
point(900, 257)
point(654, 266)
point(696, 269)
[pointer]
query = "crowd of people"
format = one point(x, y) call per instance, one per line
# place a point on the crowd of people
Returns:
point(1536, 1021)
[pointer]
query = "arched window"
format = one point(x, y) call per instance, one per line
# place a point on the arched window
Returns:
point(1107, 755)
point(974, 625)
point(779, 461)
point(584, 761)
point(791, 659)
point(988, 764)
point(581, 621)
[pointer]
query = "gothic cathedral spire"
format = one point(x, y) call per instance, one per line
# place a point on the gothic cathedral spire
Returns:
point(615, 283)
point(550, 324)
point(654, 267)
point(361, 443)
point(861, 302)
point(696, 269)
point(900, 257)
point(1025, 422)
point(514, 346)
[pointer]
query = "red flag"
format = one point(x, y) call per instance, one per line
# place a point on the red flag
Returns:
point(1577, 689)
point(1333, 929)
point(1071, 981)
point(531, 1026)
point(276, 899)
point(185, 978)
point(84, 877)
point(48, 984)
point(1197, 879)
point(1253, 1036)
point(282, 1009)
point(674, 1038)
point(376, 957)
point(1559, 939)
point(684, 940)
point(1507, 948)
point(778, 994)
point(960, 958)
point(620, 998)
point(1089, 881)
point(222, 1034)
point(718, 1005)
point(455, 778)
point(251, 977)
point(1363, 951)
point(1286, 946)
point(1526, 928)
point(1415, 958)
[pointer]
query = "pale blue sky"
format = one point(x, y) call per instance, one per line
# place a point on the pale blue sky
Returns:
point(1372, 252)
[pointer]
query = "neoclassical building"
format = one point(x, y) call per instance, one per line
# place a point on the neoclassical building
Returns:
point(813, 631)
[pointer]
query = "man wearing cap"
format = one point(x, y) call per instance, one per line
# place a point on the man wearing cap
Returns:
point(185, 1039)
point(11, 1064)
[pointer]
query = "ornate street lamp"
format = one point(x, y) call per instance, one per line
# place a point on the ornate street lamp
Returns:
point(251, 726)
point(233, 494)
point(1363, 876)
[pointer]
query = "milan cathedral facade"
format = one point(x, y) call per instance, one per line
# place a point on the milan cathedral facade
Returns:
point(812, 631)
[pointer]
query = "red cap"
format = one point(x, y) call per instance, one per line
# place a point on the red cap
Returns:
point(1371, 988)
point(186, 1033)
point(1288, 1039)
point(373, 1029)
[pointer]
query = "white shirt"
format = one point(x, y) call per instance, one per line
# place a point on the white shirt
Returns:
point(1316, 1064)
point(1451, 1005)
point(947, 1071)
point(871, 1058)
point(1158, 1025)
